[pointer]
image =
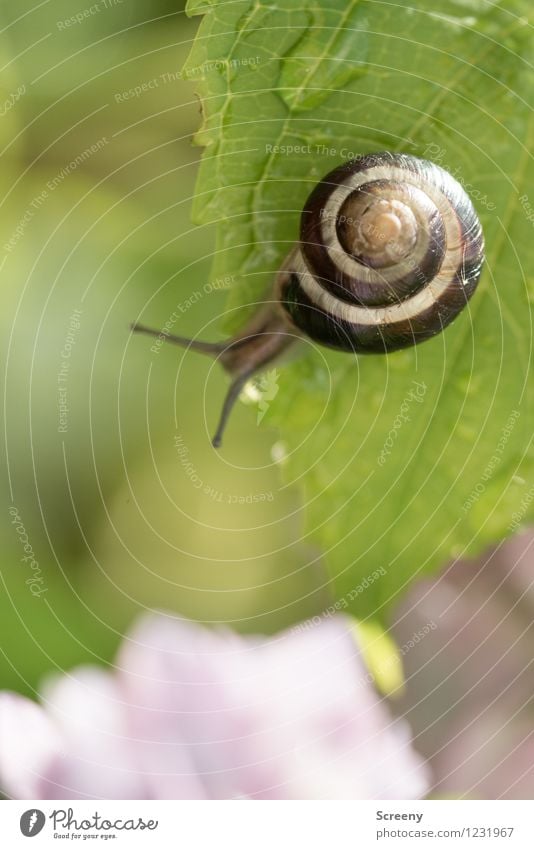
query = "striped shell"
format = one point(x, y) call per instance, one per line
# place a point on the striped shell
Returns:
point(390, 252)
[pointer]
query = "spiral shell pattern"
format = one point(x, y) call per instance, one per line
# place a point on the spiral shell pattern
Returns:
point(390, 251)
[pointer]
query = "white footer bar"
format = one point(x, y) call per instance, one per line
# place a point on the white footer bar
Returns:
point(269, 825)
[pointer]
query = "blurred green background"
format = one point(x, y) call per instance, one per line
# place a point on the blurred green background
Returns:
point(96, 190)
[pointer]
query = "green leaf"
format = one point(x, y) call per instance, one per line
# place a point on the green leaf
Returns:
point(414, 458)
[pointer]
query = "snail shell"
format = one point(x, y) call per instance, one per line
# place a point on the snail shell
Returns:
point(390, 252)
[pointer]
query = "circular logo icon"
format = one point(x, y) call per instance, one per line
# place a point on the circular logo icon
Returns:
point(32, 822)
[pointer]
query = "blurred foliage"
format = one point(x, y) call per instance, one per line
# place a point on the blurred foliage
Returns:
point(96, 190)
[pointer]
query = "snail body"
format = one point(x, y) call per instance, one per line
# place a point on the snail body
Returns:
point(390, 252)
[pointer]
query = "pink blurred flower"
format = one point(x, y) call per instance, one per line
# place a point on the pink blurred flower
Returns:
point(469, 694)
point(192, 713)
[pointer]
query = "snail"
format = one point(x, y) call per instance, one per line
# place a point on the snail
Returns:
point(390, 251)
